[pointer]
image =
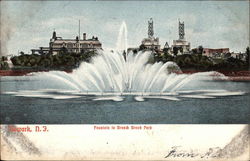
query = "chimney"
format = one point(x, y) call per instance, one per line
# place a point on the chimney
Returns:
point(84, 36)
point(54, 35)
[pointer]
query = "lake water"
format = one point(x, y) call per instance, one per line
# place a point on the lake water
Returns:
point(25, 100)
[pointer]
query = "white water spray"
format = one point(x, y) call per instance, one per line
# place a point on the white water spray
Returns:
point(122, 40)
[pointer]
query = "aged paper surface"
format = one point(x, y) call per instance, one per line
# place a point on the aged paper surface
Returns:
point(161, 142)
point(124, 80)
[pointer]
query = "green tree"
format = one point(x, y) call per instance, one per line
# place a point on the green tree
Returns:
point(142, 47)
point(200, 50)
point(181, 49)
point(247, 56)
point(3, 63)
point(175, 50)
point(194, 51)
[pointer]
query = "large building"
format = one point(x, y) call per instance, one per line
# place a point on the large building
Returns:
point(76, 45)
point(222, 53)
point(181, 44)
point(151, 42)
point(215, 52)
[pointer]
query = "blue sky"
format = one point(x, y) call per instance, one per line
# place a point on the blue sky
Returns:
point(29, 24)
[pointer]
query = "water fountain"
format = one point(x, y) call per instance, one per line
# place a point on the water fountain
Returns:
point(110, 74)
point(122, 39)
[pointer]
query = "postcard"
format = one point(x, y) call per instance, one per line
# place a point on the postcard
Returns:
point(124, 80)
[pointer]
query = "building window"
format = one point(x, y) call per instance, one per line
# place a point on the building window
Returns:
point(69, 45)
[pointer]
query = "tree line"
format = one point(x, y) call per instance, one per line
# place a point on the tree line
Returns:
point(69, 60)
point(62, 60)
point(196, 61)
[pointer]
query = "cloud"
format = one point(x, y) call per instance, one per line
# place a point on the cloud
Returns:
point(61, 21)
point(203, 25)
point(111, 26)
point(10, 22)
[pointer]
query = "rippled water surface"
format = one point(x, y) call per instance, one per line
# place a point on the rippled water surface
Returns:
point(26, 100)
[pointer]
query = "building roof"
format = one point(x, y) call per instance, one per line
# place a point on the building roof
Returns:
point(150, 41)
point(180, 42)
point(59, 41)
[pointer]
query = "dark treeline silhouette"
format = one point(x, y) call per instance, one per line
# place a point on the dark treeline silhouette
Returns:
point(197, 61)
point(3, 63)
point(62, 60)
point(69, 60)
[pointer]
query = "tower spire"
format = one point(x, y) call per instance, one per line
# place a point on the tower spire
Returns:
point(181, 30)
point(150, 28)
point(79, 30)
